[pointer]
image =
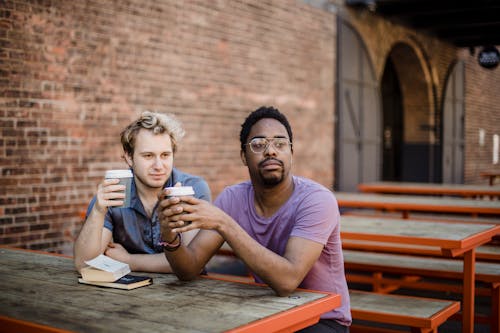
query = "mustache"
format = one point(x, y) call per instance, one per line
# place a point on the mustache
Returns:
point(271, 159)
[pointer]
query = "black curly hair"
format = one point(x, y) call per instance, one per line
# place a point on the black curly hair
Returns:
point(261, 113)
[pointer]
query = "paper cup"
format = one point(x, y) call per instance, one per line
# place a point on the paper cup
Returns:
point(125, 177)
point(180, 191)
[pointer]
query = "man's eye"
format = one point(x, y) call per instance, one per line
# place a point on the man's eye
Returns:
point(281, 143)
point(258, 145)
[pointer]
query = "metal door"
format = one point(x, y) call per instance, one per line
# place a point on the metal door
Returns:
point(358, 156)
point(453, 126)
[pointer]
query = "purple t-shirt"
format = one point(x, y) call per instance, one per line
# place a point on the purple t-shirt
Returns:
point(311, 213)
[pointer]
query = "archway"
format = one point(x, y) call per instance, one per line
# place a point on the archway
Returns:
point(392, 123)
point(409, 124)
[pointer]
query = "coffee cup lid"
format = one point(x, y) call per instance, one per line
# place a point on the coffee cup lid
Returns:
point(181, 190)
point(126, 173)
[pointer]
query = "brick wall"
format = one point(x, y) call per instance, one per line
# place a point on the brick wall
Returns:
point(482, 104)
point(73, 73)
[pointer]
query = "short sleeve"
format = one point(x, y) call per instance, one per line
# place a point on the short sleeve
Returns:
point(317, 216)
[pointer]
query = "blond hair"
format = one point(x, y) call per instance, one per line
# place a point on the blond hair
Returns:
point(158, 123)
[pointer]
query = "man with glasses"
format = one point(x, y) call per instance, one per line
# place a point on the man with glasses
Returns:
point(286, 229)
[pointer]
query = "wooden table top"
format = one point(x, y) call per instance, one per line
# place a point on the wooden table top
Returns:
point(417, 203)
point(42, 289)
point(464, 190)
point(445, 235)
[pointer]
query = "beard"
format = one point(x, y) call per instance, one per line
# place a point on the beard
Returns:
point(272, 179)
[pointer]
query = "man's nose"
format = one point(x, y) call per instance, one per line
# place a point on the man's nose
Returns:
point(157, 162)
point(270, 150)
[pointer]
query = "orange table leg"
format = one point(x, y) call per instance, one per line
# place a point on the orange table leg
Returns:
point(495, 309)
point(468, 292)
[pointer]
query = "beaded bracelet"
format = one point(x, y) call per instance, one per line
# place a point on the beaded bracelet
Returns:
point(171, 247)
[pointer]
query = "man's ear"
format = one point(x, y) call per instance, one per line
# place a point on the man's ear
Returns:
point(243, 158)
point(128, 159)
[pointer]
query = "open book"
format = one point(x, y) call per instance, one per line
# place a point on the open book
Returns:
point(104, 271)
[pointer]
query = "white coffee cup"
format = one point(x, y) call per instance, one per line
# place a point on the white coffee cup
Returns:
point(180, 191)
point(125, 177)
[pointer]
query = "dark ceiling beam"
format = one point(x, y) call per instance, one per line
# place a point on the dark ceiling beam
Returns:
point(461, 22)
point(458, 31)
point(415, 6)
point(477, 41)
point(475, 19)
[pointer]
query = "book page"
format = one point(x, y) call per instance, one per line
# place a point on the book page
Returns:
point(107, 264)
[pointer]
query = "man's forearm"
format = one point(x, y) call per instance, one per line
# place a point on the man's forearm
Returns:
point(89, 242)
point(278, 272)
point(157, 263)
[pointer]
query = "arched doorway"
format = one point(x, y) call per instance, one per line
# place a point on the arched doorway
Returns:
point(392, 124)
point(409, 122)
point(358, 157)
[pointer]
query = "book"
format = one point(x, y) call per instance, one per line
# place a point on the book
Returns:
point(127, 282)
point(104, 269)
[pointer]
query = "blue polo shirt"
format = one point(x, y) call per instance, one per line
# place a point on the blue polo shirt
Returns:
point(133, 229)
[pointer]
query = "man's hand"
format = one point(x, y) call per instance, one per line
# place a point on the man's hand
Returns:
point(175, 213)
point(117, 252)
point(109, 194)
point(164, 203)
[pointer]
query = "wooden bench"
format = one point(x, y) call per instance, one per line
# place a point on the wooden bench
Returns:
point(426, 216)
point(471, 191)
point(409, 271)
point(488, 252)
point(421, 314)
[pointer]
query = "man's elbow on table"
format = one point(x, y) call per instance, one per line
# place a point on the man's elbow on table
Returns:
point(285, 287)
point(186, 275)
point(79, 265)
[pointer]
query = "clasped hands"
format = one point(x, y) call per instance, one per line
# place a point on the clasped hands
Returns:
point(181, 214)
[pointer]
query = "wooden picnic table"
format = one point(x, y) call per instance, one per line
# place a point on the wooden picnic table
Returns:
point(454, 240)
point(406, 203)
point(462, 190)
point(39, 292)
point(491, 175)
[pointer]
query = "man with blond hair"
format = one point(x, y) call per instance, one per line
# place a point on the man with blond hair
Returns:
point(132, 234)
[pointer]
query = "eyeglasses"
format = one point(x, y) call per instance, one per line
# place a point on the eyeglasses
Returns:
point(260, 145)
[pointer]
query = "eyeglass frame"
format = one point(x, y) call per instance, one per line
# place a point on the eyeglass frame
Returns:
point(269, 141)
